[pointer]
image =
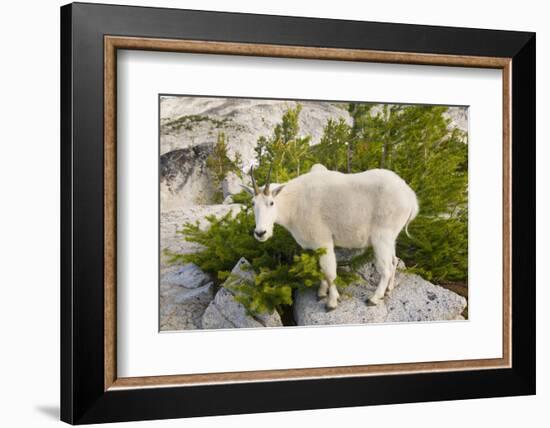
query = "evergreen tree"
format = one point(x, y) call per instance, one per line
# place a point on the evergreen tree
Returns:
point(334, 149)
point(219, 164)
point(284, 151)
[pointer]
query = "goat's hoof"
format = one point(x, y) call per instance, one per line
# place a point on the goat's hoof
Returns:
point(321, 296)
point(330, 307)
point(373, 301)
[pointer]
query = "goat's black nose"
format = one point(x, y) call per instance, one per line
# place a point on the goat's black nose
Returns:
point(259, 233)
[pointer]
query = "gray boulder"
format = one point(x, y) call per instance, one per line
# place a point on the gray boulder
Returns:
point(309, 310)
point(202, 295)
point(184, 179)
point(225, 312)
point(185, 292)
point(412, 299)
point(188, 276)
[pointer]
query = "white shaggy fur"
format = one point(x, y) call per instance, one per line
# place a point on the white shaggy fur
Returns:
point(324, 209)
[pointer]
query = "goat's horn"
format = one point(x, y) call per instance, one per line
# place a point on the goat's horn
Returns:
point(256, 188)
point(268, 179)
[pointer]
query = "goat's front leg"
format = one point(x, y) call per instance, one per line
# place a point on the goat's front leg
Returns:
point(327, 263)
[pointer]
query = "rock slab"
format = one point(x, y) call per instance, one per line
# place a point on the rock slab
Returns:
point(412, 299)
point(185, 292)
point(225, 312)
point(188, 276)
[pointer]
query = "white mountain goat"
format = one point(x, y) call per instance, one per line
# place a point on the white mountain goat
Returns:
point(324, 209)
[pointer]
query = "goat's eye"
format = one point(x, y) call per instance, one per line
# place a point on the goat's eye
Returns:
point(271, 203)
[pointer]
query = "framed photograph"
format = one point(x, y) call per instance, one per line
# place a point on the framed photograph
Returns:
point(266, 213)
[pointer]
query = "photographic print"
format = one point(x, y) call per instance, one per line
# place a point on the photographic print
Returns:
point(334, 216)
point(286, 213)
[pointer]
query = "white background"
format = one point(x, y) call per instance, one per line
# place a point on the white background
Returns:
point(142, 351)
point(29, 215)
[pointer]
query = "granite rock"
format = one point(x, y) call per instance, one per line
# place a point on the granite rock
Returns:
point(187, 276)
point(225, 312)
point(185, 292)
point(412, 299)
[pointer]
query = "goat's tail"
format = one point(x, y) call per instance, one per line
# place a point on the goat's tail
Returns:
point(412, 215)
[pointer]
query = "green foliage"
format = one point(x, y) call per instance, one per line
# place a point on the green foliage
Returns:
point(242, 198)
point(438, 249)
point(188, 122)
point(273, 287)
point(219, 164)
point(334, 149)
point(287, 153)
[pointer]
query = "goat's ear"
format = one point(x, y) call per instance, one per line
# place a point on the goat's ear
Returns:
point(248, 190)
point(276, 191)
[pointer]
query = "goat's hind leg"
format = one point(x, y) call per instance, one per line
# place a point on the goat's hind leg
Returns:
point(384, 262)
point(323, 289)
point(391, 283)
point(327, 263)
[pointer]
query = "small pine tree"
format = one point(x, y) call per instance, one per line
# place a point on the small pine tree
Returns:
point(334, 151)
point(219, 164)
point(285, 152)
